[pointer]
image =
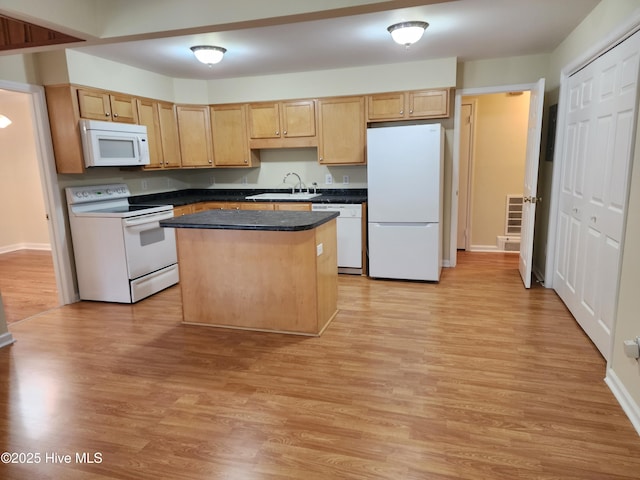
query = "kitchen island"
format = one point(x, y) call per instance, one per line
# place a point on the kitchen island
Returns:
point(271, 271)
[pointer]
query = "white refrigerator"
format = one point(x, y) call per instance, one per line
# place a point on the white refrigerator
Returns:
point(404, 177)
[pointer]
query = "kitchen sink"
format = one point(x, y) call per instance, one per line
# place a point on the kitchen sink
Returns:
point(283, 196)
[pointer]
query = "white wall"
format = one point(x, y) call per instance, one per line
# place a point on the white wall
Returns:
point(23, 216)
point(502, 71)
point(346, 81)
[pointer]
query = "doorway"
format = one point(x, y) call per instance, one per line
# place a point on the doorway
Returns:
point(493, 143)
point(27, 277)
point(40, 141)
point(533, 134)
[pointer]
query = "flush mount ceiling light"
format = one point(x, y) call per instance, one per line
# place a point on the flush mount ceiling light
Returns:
point(4, 121)
point(208, 54)
point(407, 33)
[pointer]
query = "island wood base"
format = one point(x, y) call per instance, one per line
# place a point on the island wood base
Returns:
point(259, 280)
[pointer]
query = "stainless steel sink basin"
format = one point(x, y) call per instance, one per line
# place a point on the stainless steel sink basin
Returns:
point(283, 196)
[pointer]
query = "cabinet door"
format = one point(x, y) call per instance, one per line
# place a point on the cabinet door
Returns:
point(169, 135)
point(148, 116)
point(386, 106)
point(299, 119)
point(182, 210)
point(94, 105)
point(203, 206)
point(293, 206)
point(342, 131)
point(123, 109)
point(256, 206)
point(429, 104)
point(230, 139)
point(194, 130)
point(264, 120)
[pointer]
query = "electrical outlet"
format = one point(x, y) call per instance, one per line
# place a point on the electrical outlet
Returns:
point(169, 182)
point(319, 249)
point(212, 180)
point(328, 179)
point(244, 179)
point(345, 179)
point(145, 184)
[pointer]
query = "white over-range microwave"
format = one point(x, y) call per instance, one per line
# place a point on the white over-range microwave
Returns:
point(112, 144)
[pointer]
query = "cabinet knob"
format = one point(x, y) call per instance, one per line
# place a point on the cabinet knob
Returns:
point(210, 161)
point(401, 112)
point(246, 161)
point(285, 132)
point(107, 114)
point(277, 132)
point(410, 111)
point(115, 115)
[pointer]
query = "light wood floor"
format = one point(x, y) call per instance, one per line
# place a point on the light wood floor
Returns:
point(472, 378)
point(27, 283)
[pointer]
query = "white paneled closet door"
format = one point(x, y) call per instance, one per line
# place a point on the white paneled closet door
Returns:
point(596, 156)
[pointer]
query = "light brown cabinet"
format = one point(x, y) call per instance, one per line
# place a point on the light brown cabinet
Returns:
point(110, 107)
point(422, 104)
point(162, 130)
point(148, 116)
point(256, 206)
point(342, 131)
point(169, 135)
point(230, 137)
point(292, 206)
point(282, 124)
point(194, 130)
point(180, 210)
point(62, 106)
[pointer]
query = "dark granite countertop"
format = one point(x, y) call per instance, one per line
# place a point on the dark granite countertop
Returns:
point(193, 195)
point(278, 220)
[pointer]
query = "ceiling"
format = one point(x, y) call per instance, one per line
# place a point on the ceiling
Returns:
point(466, 29)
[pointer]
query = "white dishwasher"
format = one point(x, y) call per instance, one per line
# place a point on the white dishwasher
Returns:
point(349, 232)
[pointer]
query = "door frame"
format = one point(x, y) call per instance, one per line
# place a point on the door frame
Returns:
point(54, 206)
point(625, 30)
point(469, 186)
point(455, 168)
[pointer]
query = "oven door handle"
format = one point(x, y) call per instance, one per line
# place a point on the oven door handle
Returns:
point(145, 219)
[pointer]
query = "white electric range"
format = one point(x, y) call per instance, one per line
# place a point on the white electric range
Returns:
point(121, 252)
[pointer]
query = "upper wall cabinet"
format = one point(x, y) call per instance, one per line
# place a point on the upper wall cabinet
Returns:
point(230, 138)
point(110, 107)
point(148, 116)
point(62, 105)
point(169, 135)
point(342, 131)
point(283, 124)
point(162, 130)
point(422, 104)
point(194, 130)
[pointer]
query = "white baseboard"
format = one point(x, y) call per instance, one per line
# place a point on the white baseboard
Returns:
point(25, 246)
point(483, 248)
point(629, 406)
point(6, 339)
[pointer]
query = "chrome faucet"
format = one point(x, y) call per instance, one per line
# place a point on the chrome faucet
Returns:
point(293, 189)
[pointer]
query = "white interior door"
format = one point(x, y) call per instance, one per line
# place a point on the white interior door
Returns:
point(598, 147)
point(534, 132)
